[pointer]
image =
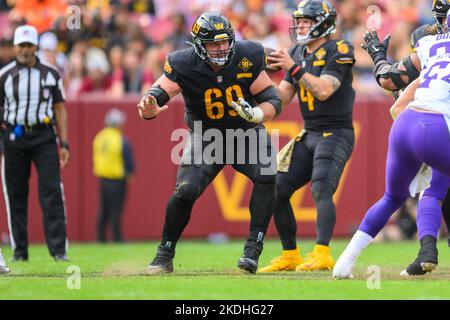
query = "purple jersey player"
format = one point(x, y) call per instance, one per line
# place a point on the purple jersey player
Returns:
point(420, 136)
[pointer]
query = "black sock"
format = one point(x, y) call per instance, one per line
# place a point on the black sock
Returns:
point(428, 242)
point(262, 205)
point(178, 213)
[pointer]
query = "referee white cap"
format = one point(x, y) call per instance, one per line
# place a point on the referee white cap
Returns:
point(24, 34)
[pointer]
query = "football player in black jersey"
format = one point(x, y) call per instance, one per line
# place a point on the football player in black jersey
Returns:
point(319, 71)
point(225, 86)
point(396, 76)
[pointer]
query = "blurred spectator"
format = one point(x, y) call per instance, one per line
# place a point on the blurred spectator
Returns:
point(114, 166)
point(6, 52)
point(97, 67)
point(117, 26)
point(180, 33)
point(131, 78)
point(115, 57)
point(48, 44)
point(41, 13)
point(153, 28)
point(5, 5)
point(142, 6)
point(75, 74)
point(259, 29)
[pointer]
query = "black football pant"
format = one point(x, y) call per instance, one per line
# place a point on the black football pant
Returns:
point(319, 157)
point(112, 199)
point(38, 147)
point(192, 180)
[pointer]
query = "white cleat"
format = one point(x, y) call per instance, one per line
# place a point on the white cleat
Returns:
point(3, 268)
point(343, 268)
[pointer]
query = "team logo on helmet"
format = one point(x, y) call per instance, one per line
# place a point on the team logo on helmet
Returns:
point(323, 16)
point(213, 27)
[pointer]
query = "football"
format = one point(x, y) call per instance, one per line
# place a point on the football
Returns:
point(270, 69)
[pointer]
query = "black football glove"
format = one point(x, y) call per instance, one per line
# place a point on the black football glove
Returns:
point(376, 49)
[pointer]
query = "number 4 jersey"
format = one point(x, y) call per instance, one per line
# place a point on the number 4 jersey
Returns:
point(433, 92)
point(334, 58)
point(208, 94)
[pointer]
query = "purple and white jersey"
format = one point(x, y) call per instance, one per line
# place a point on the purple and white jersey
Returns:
point(433, 92)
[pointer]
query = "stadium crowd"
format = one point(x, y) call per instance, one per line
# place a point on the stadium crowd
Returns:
point(119, 46)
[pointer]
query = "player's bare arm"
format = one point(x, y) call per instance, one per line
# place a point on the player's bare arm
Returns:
point(155, 100)
point(286, 91)
point(320, 87)
point(405, 98)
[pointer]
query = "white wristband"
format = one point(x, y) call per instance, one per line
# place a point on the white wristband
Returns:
point(258, 115)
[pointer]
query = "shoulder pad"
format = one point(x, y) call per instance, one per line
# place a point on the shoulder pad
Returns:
point(179, 59)
point(248, 47)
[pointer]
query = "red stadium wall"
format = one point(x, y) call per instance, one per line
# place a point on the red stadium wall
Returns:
point(222, 208)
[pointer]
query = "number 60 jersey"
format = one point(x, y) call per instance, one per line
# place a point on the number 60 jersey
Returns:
point(208, 94)
point(433, 92)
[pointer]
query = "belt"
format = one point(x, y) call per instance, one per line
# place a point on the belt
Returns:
point(29, 129)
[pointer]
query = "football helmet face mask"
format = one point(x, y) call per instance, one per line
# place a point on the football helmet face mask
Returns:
point(213, 30)
point(440, 10)
point(321, 13)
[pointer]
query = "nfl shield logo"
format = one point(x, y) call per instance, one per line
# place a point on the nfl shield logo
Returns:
point(219, 79)
point(46, 93)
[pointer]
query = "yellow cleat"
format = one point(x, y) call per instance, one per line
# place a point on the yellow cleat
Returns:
point(288, 261)
point(319, 259)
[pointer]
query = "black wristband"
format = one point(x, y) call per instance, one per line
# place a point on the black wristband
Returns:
point(64, 145)
point(149, 118)
point(296, 72)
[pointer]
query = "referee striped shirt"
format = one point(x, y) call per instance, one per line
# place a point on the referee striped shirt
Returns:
point(27, 95)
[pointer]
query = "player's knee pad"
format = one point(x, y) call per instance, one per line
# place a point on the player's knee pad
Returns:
point(322, 190)
point(187, 192)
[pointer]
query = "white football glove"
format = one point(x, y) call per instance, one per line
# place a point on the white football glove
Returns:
point(247, 112)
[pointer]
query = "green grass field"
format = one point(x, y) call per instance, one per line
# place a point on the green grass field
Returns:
point(207, 271)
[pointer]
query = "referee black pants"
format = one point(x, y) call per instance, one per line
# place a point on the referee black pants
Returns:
point(38, 147)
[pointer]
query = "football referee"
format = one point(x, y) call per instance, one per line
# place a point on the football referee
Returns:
point(32, 102)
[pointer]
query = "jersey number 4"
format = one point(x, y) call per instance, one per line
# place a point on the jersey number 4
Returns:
point(215, 109)
point(306, 96)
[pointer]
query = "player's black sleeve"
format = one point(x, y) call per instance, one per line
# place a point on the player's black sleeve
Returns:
point(170, 69)
point(338, 63)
